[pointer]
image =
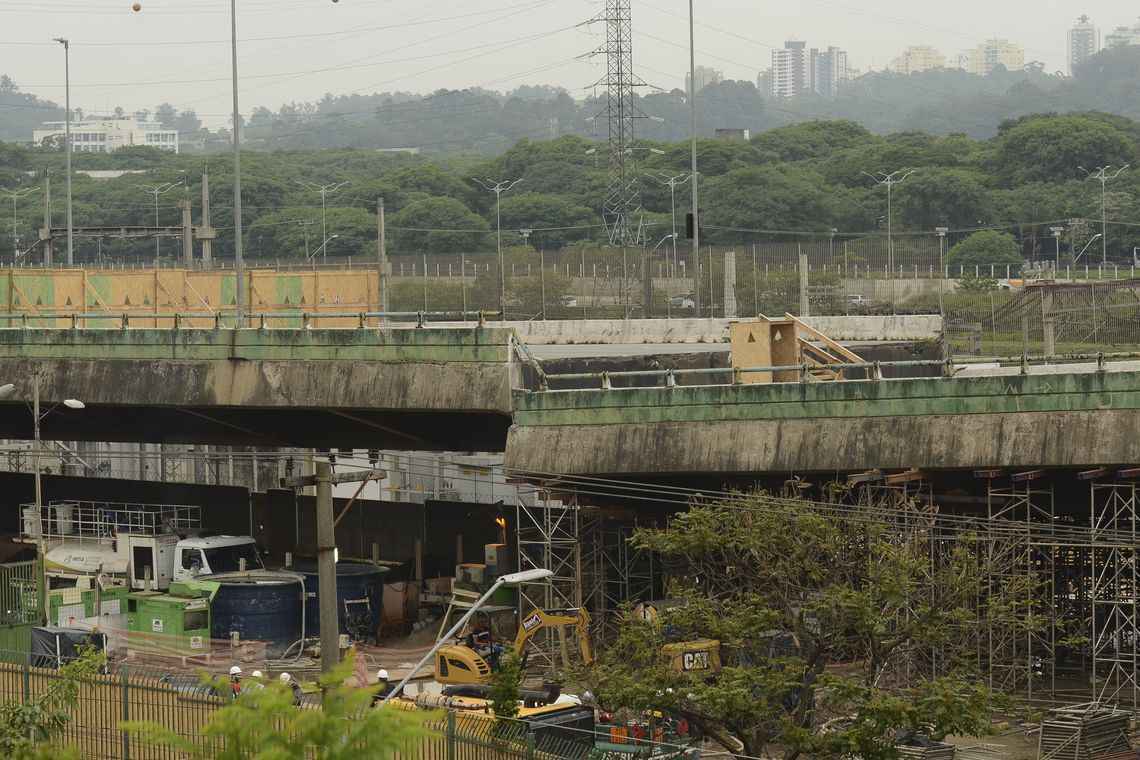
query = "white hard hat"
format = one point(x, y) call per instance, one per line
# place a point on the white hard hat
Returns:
point(235, 671)
point(256, 674)
point(382, 675)
point(285, 678)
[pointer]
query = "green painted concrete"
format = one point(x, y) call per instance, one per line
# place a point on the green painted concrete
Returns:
point(795, 401)
point(479, 345)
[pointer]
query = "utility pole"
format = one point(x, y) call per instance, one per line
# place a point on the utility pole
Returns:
point(941, 266)
point(382, 258)
point(498, 188)
point(1101, 173)
point(206, 233)
point(239, 266)
point(890, 180)
point(693, 175)
point(1057, 240)
point(48, 242)
point(67, 139)
point(16, 195)
point(672, 182)
point(325, 191)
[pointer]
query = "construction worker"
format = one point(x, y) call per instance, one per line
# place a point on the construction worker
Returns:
point(291, 682)
point(256, 680)
point(383, 686)
point(235, 682)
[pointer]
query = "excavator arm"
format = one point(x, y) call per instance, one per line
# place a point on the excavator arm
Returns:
point(539, 620)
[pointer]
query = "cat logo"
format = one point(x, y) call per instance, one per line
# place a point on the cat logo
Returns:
point(532, 622)
point(695, 661)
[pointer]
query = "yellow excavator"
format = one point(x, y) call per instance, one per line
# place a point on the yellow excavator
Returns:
point(473, 662)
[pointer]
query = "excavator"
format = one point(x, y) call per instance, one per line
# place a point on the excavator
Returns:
point(473, 661)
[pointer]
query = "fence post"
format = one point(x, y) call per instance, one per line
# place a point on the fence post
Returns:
point(125, 682)
point(530, 744)
point(451, 731)
point(27, 682)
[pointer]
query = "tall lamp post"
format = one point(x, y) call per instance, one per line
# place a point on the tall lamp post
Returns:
point(157, 190)
point(1101, 174)
point(16, 195)
point(498, 188)
point(511, 579)
point(693, 159)
point(325, 191)
point(941, 265)
point(239, 265)
point(67, 140)
point(1057, 240)
point(672, 182)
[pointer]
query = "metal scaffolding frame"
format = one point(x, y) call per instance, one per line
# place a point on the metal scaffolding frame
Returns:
point(614, 571)
point(1114, 585)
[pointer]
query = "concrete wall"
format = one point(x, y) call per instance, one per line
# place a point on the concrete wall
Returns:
point(632, 331)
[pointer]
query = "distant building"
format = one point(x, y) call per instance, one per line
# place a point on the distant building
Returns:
point(791, 70)
point(1123, 36)
point(764, 81)
point(105, 135)
point(828, 71)
point(705, 77)
point(987, 56)
point(1084, 42)
point(916, 59)
point(733, 135)
point(799, 71)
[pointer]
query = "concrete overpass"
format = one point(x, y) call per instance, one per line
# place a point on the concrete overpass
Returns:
point(398, 388)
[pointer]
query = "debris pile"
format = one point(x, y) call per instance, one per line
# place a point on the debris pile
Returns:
point(1085, 732)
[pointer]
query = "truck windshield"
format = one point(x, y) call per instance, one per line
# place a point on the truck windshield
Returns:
point(226, 559)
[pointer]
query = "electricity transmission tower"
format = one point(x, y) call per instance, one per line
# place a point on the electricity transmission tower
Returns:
point(622, 203)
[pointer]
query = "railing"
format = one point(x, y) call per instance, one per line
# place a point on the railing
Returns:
point(253, 320)
point(803, 372)
point(95, 520)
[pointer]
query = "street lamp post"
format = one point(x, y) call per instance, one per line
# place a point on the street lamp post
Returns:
point(239, 264)
point(1057, 240)
point(498, 188)
point(1101, 174)
point(672, 182)
point(941, 265)
point(693, 157)
point(157, 190)
point(321, 246)
point(1092, 240)
point(67, 140)
point(511, 579)
point(16, 195)
point(325, 191)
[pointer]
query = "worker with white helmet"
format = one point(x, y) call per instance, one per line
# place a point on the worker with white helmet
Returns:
point(235, 682)
point(291, 682)
point(256, 680)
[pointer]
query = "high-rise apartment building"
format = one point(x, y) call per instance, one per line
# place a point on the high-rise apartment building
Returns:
point(1122, 36)
point(1084, 42)
point(705, 77)
point(828, 71)
point(987, 56)
point(791, 70)
point(917, 58)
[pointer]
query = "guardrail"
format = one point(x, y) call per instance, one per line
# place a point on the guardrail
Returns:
point(803, 371)
point(256, 320)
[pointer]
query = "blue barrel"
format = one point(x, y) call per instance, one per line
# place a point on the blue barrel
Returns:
point(354, 580)
point(258, 606)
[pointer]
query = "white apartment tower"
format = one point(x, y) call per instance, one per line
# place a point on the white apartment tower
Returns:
point(1084, 43)
point(791, 70)
point(829, 71)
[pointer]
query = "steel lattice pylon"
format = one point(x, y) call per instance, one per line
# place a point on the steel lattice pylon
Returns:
point(622, 205)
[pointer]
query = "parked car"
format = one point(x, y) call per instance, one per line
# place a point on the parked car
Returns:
point(569, 301)
point(858, 301)
point(683, 302)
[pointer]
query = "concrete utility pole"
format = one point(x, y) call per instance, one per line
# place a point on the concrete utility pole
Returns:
point(693, 175)
point(1101, 173)
point(325, 191)
point(382, 258)
point(239, 266)
point(323, 478)
point(206, 233)
point(16, 195)
point(45, 234)
point(941, 265)
point(498, 188)
point(67, 139)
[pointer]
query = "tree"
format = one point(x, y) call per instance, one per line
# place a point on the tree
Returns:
point(29, 729)
point(167, 115)
point(1050, 147)
point(535, 210)
point(505, 682)
point(764, 198)
point(984, 248)
point(935, 197)
point(437, 225)
point(817, 616)
point(263, 724)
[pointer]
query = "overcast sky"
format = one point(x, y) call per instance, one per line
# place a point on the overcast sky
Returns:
point(178, 50)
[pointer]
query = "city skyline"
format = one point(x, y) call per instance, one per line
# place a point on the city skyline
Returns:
point(298, 50)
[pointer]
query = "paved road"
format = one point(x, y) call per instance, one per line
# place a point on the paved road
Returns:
point(582, 350)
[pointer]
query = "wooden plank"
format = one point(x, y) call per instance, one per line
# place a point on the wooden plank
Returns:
point(910, 476)
point(988, 474)
point(1022, 477)
point(870, 476)
point(1096, 474)
point(843, 351)
point(1130, 472)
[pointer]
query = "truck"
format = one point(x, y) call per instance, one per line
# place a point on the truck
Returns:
point(143, 547)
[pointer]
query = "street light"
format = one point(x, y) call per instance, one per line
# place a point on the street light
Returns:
point(67, 140)
point(1092, 240)
point(1101, 174)
point(157, 190)
point(321, 247)
point(498, 188)
point(510, 579)
point(16, 195)
point(325, 191)
point(672, 183)
point(1057, 239)
point(941, 231)
point(239, 265)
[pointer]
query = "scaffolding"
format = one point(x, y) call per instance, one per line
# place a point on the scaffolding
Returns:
point(1113, 576)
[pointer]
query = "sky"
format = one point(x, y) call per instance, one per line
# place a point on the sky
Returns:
point(296, 50)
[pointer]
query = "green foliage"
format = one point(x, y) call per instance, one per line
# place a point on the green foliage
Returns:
point(984, 248)
point(30, 730)
point(505, 682)
point(943, 197)
point(263, 724)
point(534, 210)
point(437, 225)
point(1051, 148)
point(815, 616)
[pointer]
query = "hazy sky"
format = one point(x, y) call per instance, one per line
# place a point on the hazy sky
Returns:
point(178, 50)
